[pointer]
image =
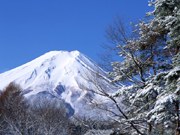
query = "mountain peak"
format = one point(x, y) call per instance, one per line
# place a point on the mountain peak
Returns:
point(55, 74)
point(67, 54)
point(55, 52)
point(52, 67)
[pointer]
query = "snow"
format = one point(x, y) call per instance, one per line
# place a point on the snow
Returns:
point(61, 74)
point(99, 132)
point(53, 67)
point(160, 95)
point(172, 73)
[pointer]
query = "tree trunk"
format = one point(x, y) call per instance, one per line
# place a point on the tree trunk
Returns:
point(177, 50)
point(149, 128)
point(178, 120)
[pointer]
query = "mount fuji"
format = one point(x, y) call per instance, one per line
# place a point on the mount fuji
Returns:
point(61, 75)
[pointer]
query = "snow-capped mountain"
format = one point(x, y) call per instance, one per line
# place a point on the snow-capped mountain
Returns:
point(62, 75)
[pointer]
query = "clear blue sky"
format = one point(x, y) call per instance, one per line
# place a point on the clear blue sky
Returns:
point(30, 28)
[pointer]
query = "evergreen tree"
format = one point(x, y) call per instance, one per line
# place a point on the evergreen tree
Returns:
point(167, 17)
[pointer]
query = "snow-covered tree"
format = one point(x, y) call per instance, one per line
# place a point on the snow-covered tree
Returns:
point(130, 68)
point(167, 17)
point(151, 46)
point(176, 60)
point(151, 58)
point(142, 55)
point(158, 102)
point(50, 117)
point(150, 51)
point(99, 132)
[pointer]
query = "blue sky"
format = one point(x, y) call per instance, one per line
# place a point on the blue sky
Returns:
point(30, 28)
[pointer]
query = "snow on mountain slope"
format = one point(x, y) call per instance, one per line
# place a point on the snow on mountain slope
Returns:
point(58, 74)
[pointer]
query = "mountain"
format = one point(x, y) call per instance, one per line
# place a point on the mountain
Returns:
point(60, 75)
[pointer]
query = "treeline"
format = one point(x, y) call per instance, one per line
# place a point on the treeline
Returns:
point(20, 117)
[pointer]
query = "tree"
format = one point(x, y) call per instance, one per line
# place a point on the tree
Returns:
point(158, 102)
point(141, 55)
point(176, 60)
point(167, 14)
point(151, 58)
point(99, 132)
point(19, 117)
point(129, 65)
point(51, 118)
point(14, 117)
point(151, 45)
point(112, 106)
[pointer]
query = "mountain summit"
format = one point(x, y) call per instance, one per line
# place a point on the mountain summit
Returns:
point(52, 67)
point(57, 74)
